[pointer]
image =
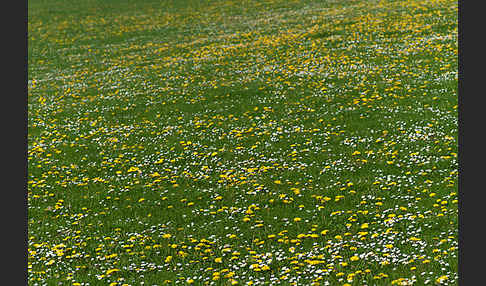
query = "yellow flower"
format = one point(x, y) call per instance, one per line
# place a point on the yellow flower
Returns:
point(108, 272)
point(133, 169)
point(218, 260)
point(441, 278)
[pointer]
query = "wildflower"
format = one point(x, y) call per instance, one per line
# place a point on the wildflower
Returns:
point(108, 272)
point(133, 169)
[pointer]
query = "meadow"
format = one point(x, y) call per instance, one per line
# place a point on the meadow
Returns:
point(269, 142)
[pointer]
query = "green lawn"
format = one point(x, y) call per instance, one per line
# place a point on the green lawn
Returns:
point(244, 142)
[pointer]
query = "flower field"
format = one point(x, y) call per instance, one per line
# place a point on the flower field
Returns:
point(270, 142)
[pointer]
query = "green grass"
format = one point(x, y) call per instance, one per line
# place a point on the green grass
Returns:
point(223, 142)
